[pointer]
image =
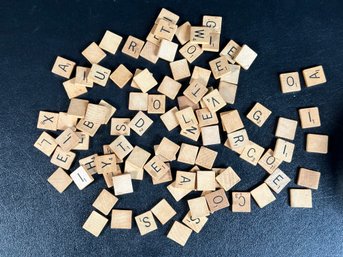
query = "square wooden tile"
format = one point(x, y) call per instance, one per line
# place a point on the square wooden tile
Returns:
point(192, 132)
point(105, 202)
point(121, 76)
point(268, 162)
point(47, 120)
point(286, 128)
point(263, 195)
point(214, 22)
point(214, 101)
point(169, 87)
point(77, 107)
point(185, 180)
point(121, 147)
point(217, 200)
point(178, 193)
point(241, 202)
point(180, 69)
point(245, 57)
point(201, 74)
point(284, 150)
point(156, 168)
point(99, 74)
point(138, 157)
point(183, 33)
point(156, 104)
point(168, 16)
point(206, 180)
point(121, 219)
point(138, 101)
point(206, 118)
point(96, 113)
point(81, 177)
point(168, 149)
point(317, 143)
point(230, 51)
point(227, 179)
point(231, 121)
point(300, 198)
point(252, 153)
point(81, 77)
point(206, 157)
point(198, 207)
point(277, 181)
point(290, 82)
point(219, 67)
point(46, 144)
point(314, 76)
point(140, 123)
point(195, 91)
point(122, 184)
point(188, 153)
point(259, 114)
point(233, 76)
point(309, 117)
point(93, 53)
point(133, 47)
point(179, 233)
point(110, 42)
point(210, 135)
point(165, 29)
point(200, 35)
point(63, 67)
point(195, 224)
point(62, 159)
point(150, 52)
point(60, 180)
point(186, 118)
point(163, 211)
point(146, 223)
point(88, 127)
point(308, 178)
point(169, 119)
point(145, 80)
point(66, 121)
point(88, 163)
point(167, 50)
point(238, 139)
point(191, 51)
point(105, 163)
point(95, 223)
point(183, 102)
point(213, 44)
point(67, 140)
point(73, 90)
point(228, 91)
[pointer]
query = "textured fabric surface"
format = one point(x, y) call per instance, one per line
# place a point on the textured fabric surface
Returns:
point(35, 220)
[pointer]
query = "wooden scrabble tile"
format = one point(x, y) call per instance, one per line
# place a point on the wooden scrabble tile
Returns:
point(238, 139)
point(309, 117)
point(262, 195)
point(46, 144)
point(63, 67)
point(290, 82)
point(317, 143)
point(237, 150)
point(167, 149)
point(145, 80)
point(110, 42)
point(308, 178)
point(62, 159)
point(110, 110)
point(284, 150)
point(228, 178)
point(180, 69)
point(219, 67)
point(88, 163)
point(201, 74)
point(121, 76)
point(213, 43)
point(153, 38)
point(314, 76)
point(122, 184)
point(146, 223)
point(165, 29)
point(108, 179)
point(77, 107)
point(167, 50)
point(217, 200)
point(252, 153)
point(88, 127)
point(81, 77)
point(232, 121)
point(95, 223)
point(96, 113)
point(66, 121)
point(138, 101)
point(191, 51)
point(214, 22)
point(156, 167)
point(245, 57)
point(233, 76)
point(195, 224)
point(300, 198)
point(192, 132)
point(214, 101)
point(138, 157)
point(83, 141)
point(150, 52)
point(184, 102)
point(105, 202)
point(195, 91)
point(185, 180)
point(188, 153)
point(72, 89)
point(135, 172)
point(60, 180)
point(105, 163)
point(169, 119)
point(169, 87)
point(121, 147)
point(277, 181)
point(183, 33)
point(163, 211)
point(206, 118)
point(47, 121)
point(206, 157)
point(156, 104)
point(198, 207)
point(206, 180)
point(140, 123)
point(168, 16)
point(67, 140)
point(286, 128)
point(241, 202)
point(133, 47)
point(186, 118)
point(259, 114)
point(165, 178)
point(81, 177)
point(230, 51)
point(179, 233)
point(121, 219)
point(268, 162)
point(133, 83)
point(200, 35)
point(120, 126)
point(210, 135)
point(93, 53)
point(227, 91)
point(99, 74)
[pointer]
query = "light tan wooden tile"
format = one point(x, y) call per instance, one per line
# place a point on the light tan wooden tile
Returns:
point(62, 159)
point(195, 224)
point(156, 167)
point(290, 82)
point(268, 162)
point(300, 198)
point(156, 104)
point(153, 38)
point(206, 180)
point(167, 50)
point(88, 163)
point(259, 114)
point(210, 135)
point(284, 150)
point(308, 178)
point(145, 80)
point(314, 76)
point(138, 157)
point(230, 51)
point(214, 22)
point(122, 184)
point(183, 33)
point(309, 117)
point(81, 77)
point(231, 121)
point(286, 128)
point(233, 76)
point(165, 178)
point(238, 139)
point(77, 107)
point(66, 121)
point(140, 123)
point(237, 150)
point(186, 118)
point(169, 87)
point(74, 90)
point(168, 149)
point(178, 193)
point(201, 74)
point(110, 42)
point(188, 153)
point(47, 120)
point(200, 35)
point(120, 126)
point(108, 179)
point(88, 127)
point(133, 83)
point(195, 91)
point(168, 16)
point(138, 101)
point(217, 200)
point(180, 69)
point(192, 132)
point(213, 44)
point(105, 163)
point(96, 113)
point(219, 67)
point(206, 157)
point(214, 101)
point(63, 67)
point(81, 177)
point(135, 172)
point(252, 153)
point(46, 144)
point(262, 195)
point(198, 207)
point(165, 29)
point(227, 91)
point(99, 74)
point(93, 53)
point(60, 180)
point(185, 180)
point(67, 140)
point(105, 202)
point(317, 143)
point(146, 223)
point(191, 51)
point(121, 76)
point(206, 118)
point(121, 219)
point(163, 211)
point(241, 202)
point(150, 52)
point(277, 181)
point(83, 141)
point(121, 147)
point(183, 102)
point(169, 119)
point(95, 223)
point(245, 57)
point(179, 233)
point(228, 178)
point(133, 47)
point(110, 110)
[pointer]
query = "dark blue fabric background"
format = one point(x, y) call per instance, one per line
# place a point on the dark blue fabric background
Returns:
point(35, 220)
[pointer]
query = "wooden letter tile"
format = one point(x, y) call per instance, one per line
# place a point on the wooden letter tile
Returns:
point(263, 195)
point(185, 180)
point(46, 144)
point(200, 74)
point(99, 74)
point(156, 168)
point(74, 90)
point(191, 51)
point(219, 67)
point(77, 107)
point(195, 224)
point(120, 126)
point(284, 150)
point(192, 132)
point(241, 202)
point(93, 53)
point(227, 91)
point(95, 223)
point(138, 157)
point(121, 219)
point(252, 153)
point(245, 57)
point(145, 80)
point(81, 177)
point(60, 180)
point(286, 128)
point(121, 76)
point(96, 113)
point(63, 67)
point(290, 82)
point(308, 178)
point(195, 91)
point(206, 157)
point(165, 29)
point(81, 77)
point(228, 178)
point(47, 120)
point(314, 76)
point(133, 47)
point(146, 223)
point(167, 50)
point(300, 198)
point(184, 102)
point(233, 76)
point(121, 147)
point(167, 149)
point(210, 135)
point(200, 35)
point(62, 159)
point(88, 163)
point(88, 127)
point(309, 117)
point(317, 143)
point(206, 180)
point(214, 101)
point(179, 233)
point(163, 211)
point(168, 16)
point(105, 202)
point(67, 140)
point(186, 118)
point(157, 104)
point(277, 181)
point(238, 139)
point(180, 69)
point(122, 184)
point(206, 118)
point(183, 33)
point(217, 200)
point(169, 87)
point(169, 119)
point(105, 163)
point(230, 51)
point(149, 52)
point(269, 162)
point(259, 114)
point(198, 207)
point(178, 193)
point(138, 101)
point(110, 42)
point(188, 153)
point(140, 123)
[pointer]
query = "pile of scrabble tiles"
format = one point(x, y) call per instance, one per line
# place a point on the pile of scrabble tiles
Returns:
point(198, 113)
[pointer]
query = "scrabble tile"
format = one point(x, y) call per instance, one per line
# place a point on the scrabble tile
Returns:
point(200, 35)
point(99, 74)
point(121, 147)
point(165, 178)
point(259, 114)
point(227, 91)
point(262, 195)
point(180, 69)
point(210, 135)
point(88, 163)
point(138, 157)
point(227, 179)
point(217, 200)
point(237, 150)
point(252, 153)
point(169, 119)
point(284, 150)
point(186, 118)
point(108, 179)
point(277, 181)
point(185, 180)
point(268, 162)
point(122, 184)
point(67, 140)
point(81, 178)
point(81, 77)
point(93, 53)
point(60, 180)
point(308, 178)
point(153, 38)
point(195, 91)
point(309, 117)
point(121, 76)
point(140, 123)
point(135, 172)
point(232, 76)
point(214, 22)
point(167, 149)
point(290, 82)
point(133, 83)
point(230, 51)
point(88, 127)
point(77, 107)
point(195, 224)
point(314, 76)
point(214, 101)
point(206, 180)
point(198, 207)
point(156, 104)
point(149, 52)
point(168, 16)
point(183, 33)
point(232, 121)
point(188, 153)
point(66, 121)
point(201, 74)
point(191, 51)
point(241, 202)
point(238, 139)
point(213, 43)
point(179, 233)
point(72, 89)
point(105, 163)
point(300, 198)
point(206, 157)
point(178, 193)
point(184, 102)
point(83, 143)
point(105, 202)
point(163, 211)
point(219, 67)
point(133, 47)
point(169, 87)
point(192, 132)
point(156, 168)
point(62, 159)
point(138, 101)
point(317, 143)
point(47, 120)
point(110, 110)
point(63, 67)
point(120, 126)
point(146, 223)
point(95, 223)
point(121, 219)
point(165, 29)
point(46, 144)
point(286, 128)
point(145, 80)
point(245, 57)
point(206, 118)
point(96, 113)
point(167, 50)
point(110, 42)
